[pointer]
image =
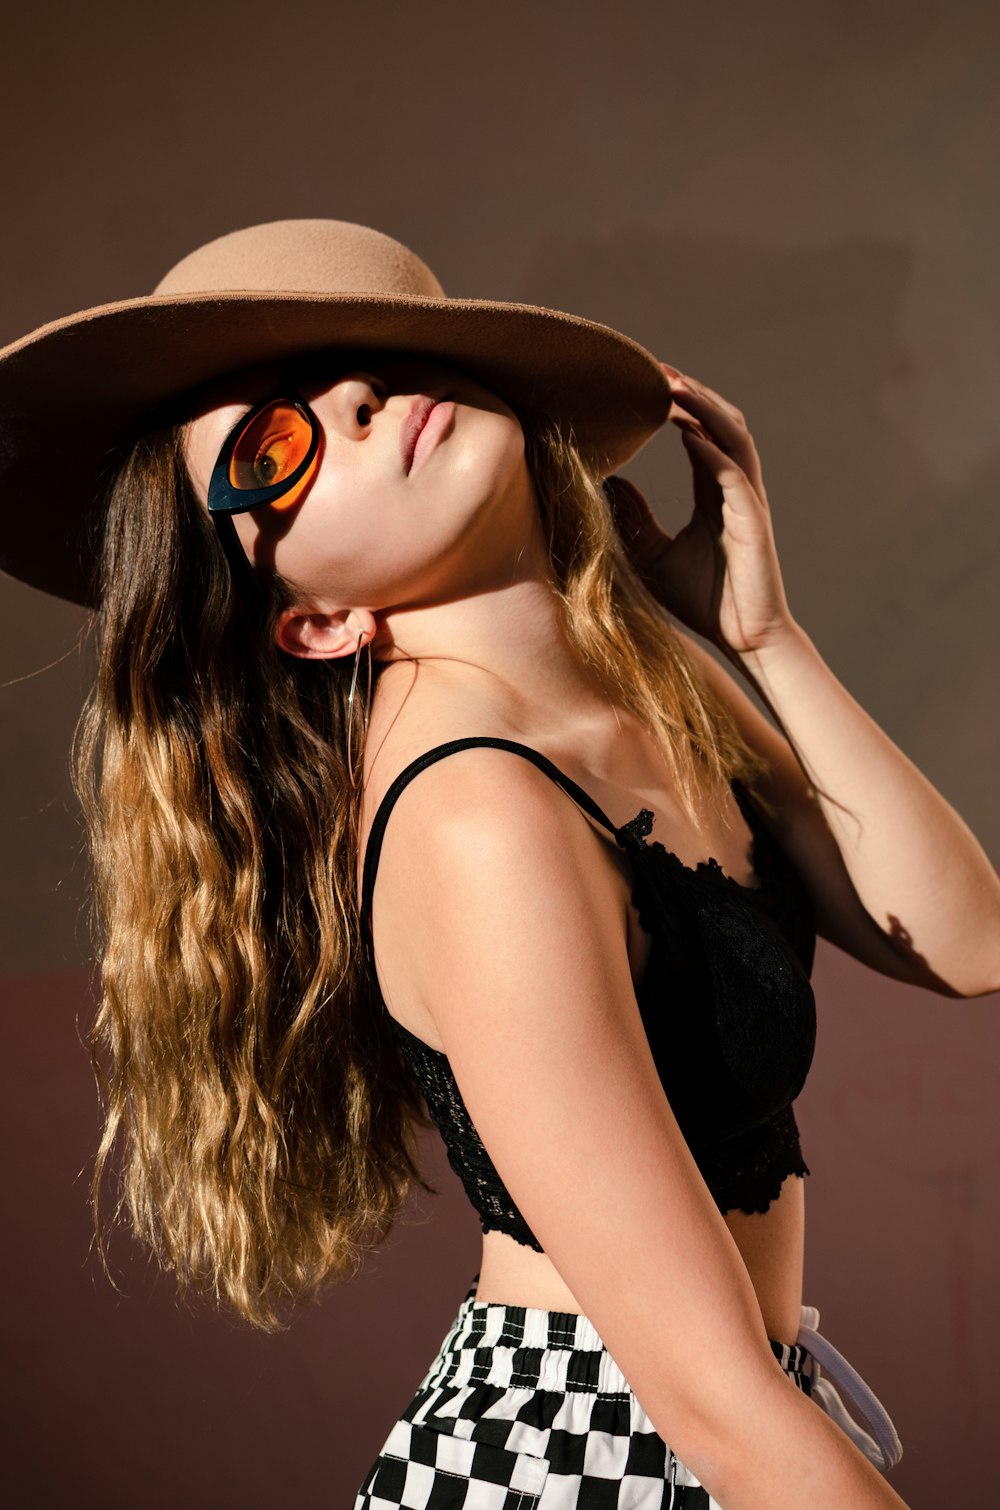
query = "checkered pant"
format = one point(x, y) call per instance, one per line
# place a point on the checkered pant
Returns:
point(525, 1409)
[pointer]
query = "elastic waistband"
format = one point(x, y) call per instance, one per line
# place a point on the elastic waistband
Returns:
point(524, 1347)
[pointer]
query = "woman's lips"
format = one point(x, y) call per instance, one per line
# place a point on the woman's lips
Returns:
point(424, 425)
point(412, 426)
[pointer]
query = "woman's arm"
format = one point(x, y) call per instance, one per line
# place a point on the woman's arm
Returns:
point(889, 862)
point(508, 922)
point(894, 871)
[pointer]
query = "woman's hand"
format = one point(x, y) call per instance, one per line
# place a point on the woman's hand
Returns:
point(720, 574)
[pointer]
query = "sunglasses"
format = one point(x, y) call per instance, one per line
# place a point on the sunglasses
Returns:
point(269, 457)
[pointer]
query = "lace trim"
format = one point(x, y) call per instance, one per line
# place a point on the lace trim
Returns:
point(466, 1153)
point(750, 1176)
point(637, 830)
point(749, 1182)
point(779, 890)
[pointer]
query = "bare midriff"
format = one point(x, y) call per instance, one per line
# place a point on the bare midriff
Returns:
point(770, 1243)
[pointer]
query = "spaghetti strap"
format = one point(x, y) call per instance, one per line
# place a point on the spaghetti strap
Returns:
point(375, 837)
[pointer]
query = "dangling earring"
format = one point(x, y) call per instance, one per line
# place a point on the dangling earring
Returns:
point(350, 703)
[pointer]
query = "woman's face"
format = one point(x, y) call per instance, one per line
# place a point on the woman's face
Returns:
point(370, 529)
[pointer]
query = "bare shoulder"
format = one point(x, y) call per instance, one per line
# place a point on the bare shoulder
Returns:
point(492, 792)
point(469, 840)
point(478, 826)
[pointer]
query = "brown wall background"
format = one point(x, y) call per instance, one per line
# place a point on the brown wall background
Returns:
point(797, 203)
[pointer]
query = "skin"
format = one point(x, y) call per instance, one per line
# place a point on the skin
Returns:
point(452, 555)
point(416, 563)
point(444, 572)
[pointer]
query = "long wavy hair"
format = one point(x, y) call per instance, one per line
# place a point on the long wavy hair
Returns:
point(269, 1126)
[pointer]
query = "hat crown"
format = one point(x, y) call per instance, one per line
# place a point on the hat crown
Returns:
point(303, 256)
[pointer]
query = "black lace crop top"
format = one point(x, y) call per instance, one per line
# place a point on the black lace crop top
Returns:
point(725, 1000)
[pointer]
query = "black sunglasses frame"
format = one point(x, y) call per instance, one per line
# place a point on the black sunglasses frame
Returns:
point(223, 497)
point(225, 500)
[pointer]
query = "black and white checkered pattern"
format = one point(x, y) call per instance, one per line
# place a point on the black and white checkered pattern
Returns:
point(525, 1409)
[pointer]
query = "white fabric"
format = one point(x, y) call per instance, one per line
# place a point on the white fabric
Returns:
point(832, 1378)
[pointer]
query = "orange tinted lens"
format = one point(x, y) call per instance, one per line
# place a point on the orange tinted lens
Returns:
point(273, 444)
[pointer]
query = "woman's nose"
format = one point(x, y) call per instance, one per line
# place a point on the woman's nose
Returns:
point(353, 400)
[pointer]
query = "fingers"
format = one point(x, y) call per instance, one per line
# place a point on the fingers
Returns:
point(683, 382)
point(721, 420)
point(716, 413)
point(730, 483)
point(721, 464)
point(701, 413)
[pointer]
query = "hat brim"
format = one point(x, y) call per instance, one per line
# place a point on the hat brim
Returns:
point(75, 391)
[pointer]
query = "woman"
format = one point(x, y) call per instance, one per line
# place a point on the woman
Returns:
point(387, 709)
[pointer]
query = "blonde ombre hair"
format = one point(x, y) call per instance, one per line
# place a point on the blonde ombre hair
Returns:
point(269, 1124)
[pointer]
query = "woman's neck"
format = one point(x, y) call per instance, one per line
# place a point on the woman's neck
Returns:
point(507, 642)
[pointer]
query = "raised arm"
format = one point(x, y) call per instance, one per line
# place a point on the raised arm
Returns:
point(514, 937)
point(898, 878)
point(891, 863)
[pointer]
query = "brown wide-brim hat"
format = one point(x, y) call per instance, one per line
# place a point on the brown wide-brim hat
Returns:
point(77, 390)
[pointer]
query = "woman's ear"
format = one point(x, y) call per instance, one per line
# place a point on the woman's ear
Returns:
point(323, 636)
